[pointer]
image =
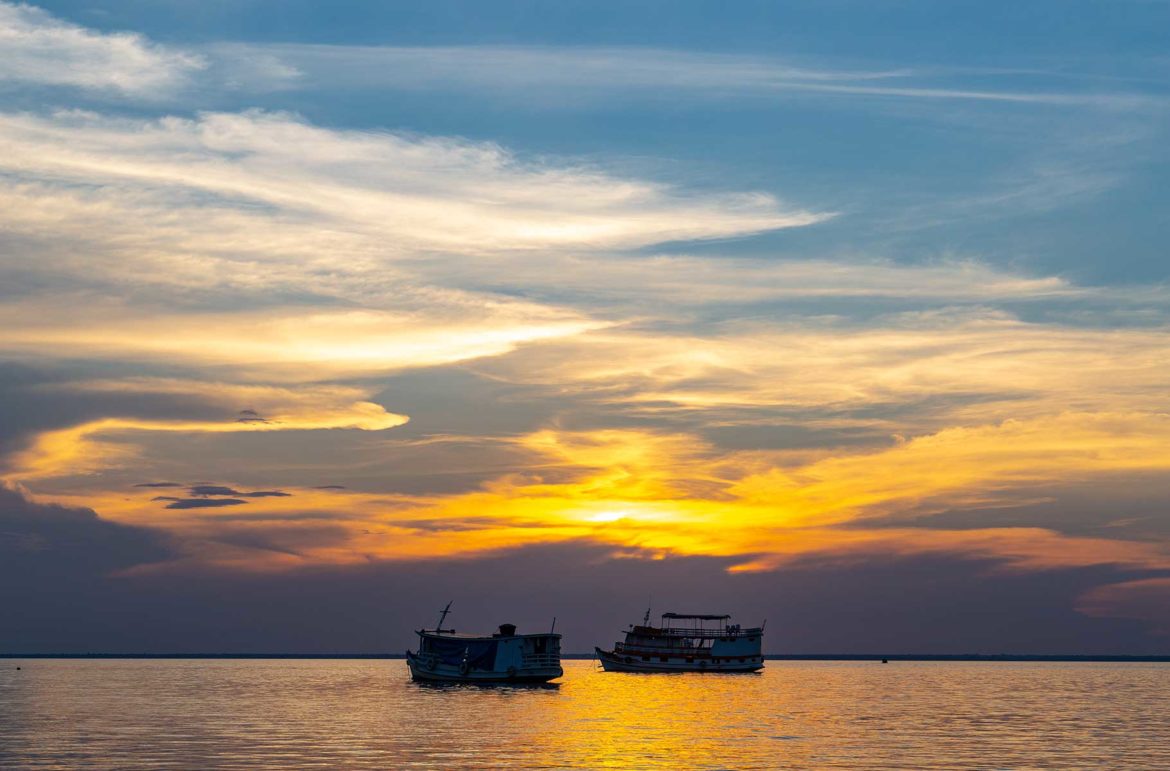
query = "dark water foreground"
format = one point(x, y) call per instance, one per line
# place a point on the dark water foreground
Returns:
point(365, 714)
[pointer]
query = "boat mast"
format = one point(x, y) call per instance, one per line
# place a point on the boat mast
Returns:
point(443, 617)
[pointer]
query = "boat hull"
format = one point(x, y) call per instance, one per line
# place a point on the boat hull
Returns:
point(441, 673)
point(613, 662)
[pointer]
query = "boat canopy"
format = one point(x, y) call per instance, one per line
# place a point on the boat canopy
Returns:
point(700, 616)
point(479, 654)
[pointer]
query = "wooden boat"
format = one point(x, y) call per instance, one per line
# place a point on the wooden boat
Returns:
point(687, 643)
point(502, 657)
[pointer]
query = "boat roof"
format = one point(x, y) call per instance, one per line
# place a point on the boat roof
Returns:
point(704, 617)
point(489, 636)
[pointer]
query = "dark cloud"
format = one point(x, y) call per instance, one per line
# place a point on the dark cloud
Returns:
point(220, 490)
point(456, 400)
point(35, 535)
point(284, 538)
point(921, 605)
point(275, 518)
point(38, 398)
point(59, 573)
point(1132, 506)
point(250, 416)
point(329, 487)
point(211, 490)
point(201, 503)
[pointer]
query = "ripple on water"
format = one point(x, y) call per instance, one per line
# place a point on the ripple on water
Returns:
point(222, 714)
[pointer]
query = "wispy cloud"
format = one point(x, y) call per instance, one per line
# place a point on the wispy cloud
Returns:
point(38, 48)
point(284, 275)
point(575, 74)
point(971, 365)
point(423, 192)
point(691, 281)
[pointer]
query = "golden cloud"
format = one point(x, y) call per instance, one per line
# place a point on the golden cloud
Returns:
point(659, 494)
point(109, 442)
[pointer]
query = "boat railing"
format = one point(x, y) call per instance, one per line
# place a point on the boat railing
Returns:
point(541, 659)
point(696, 633)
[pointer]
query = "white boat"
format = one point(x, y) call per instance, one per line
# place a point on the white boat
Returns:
point(503, 657)
point(685, 642)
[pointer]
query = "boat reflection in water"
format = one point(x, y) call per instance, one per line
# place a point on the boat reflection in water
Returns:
point(504, 657)
point(687, 643)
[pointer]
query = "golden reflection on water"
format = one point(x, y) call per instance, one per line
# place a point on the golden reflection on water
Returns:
point(216, 714)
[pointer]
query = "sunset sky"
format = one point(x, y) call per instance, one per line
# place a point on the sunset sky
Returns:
point(853, 316)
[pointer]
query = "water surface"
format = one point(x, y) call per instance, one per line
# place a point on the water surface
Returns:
point(366, 714)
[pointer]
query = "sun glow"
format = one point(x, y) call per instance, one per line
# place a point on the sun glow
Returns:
point(672, 494)
point(607, 516)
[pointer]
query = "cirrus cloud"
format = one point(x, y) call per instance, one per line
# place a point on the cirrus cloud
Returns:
point(41, 49)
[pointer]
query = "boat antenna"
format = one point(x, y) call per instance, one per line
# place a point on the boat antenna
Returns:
point(646, 618)
point(553, 628)
point(443, 616)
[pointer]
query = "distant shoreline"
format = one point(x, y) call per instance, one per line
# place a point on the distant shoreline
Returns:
point(1056, 658)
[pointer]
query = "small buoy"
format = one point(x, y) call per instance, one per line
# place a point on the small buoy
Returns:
point(885, 661)
point(18, 669)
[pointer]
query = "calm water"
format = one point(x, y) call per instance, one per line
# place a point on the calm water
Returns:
point(149, 714)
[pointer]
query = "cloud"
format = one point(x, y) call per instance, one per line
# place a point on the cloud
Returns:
point(206, 490)
point(581, 74)
point(657, 494)
point(884, 605)
point(233, 218)
point(1145, 599)
point(290, 344)
point(40, 49)
point(49, 541)
point(203, 503)
point(688, 281)
point(912, 371)
point(673, 494)
point(410, 192)
point(101, 443)
point(255, 299)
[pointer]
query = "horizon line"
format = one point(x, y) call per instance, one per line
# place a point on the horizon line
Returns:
point(958, 657)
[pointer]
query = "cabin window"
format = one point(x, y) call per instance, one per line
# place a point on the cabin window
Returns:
point(664, 658)
point(690, 659)
point(645, 658)
point(539, 644)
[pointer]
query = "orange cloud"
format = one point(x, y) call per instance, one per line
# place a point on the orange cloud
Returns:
point(109, 442)
point(287, 345)
point(672, 494)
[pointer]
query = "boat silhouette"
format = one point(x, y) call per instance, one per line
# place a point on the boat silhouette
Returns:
point(444, 656)
point(687, 642)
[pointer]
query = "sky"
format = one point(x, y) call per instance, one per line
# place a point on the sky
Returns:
point(851, 316)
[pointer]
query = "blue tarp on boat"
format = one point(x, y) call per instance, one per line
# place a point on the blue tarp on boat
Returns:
point(481, 654)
